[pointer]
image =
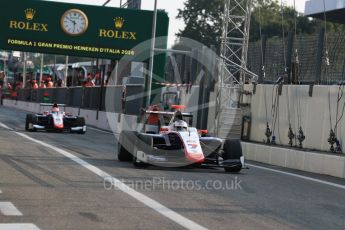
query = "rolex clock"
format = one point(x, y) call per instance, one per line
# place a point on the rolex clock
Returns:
point(74, 22)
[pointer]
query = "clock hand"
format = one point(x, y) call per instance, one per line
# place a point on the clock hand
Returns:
point(71, 20)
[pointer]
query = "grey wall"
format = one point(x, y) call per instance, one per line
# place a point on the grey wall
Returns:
point(314, 114)
point(93, 98)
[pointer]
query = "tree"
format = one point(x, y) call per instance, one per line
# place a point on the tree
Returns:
point(267, 14)
point(271, 16)
point(203, 21)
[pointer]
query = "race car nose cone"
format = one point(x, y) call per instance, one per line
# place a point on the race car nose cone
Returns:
point(58, 126)
point(195, 157)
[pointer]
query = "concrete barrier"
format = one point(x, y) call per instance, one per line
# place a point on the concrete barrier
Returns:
point(321, 163)
point(119, 121)
point(313, 113)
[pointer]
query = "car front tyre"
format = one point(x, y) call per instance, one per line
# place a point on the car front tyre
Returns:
point(29, 122)
point(234, 169)
point(123, 144)
point(232, 151)
point(80, 122)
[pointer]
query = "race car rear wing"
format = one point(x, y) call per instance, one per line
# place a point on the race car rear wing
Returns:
point(167, 113)
point(51, 104)
point(173, 84)
point(42, 105)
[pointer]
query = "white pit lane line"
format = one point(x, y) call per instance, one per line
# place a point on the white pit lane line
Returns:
point(8, 209)
point(156, 206)
point(298, 176)
point(15, 226)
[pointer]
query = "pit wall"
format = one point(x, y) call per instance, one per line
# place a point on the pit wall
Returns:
point(315, 118)
point(118, 122)
point(325, 164)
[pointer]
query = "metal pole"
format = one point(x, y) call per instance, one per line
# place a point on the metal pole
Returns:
point(66, 71)
point(104, 4)
point(289, 53)
point(54, 71)
point(318, 57)
point(73, 76)
point(5, 75)
point(152, 52)
point(100, 106)
point(24, 70)
point(41, 70)
point(158, 50)
point(221, 68)
point(116, 72)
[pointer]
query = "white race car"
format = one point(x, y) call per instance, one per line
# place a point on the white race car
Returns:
point(177, 144)
point(55, 120)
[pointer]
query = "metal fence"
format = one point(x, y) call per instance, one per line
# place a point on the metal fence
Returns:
point(336, 48)
point(307, 65)
point(93, 98)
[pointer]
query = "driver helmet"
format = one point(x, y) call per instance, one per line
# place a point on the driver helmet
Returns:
point(181, 126)
point(178, 115)
point(55, 108)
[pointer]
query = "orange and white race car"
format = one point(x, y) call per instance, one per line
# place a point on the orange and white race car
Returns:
point(177, 144)
point(55, 119)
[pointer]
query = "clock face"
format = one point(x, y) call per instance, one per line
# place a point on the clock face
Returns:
point(74, 22)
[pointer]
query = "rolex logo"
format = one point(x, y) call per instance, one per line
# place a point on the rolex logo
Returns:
point(119, 22)
point(29, 14)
